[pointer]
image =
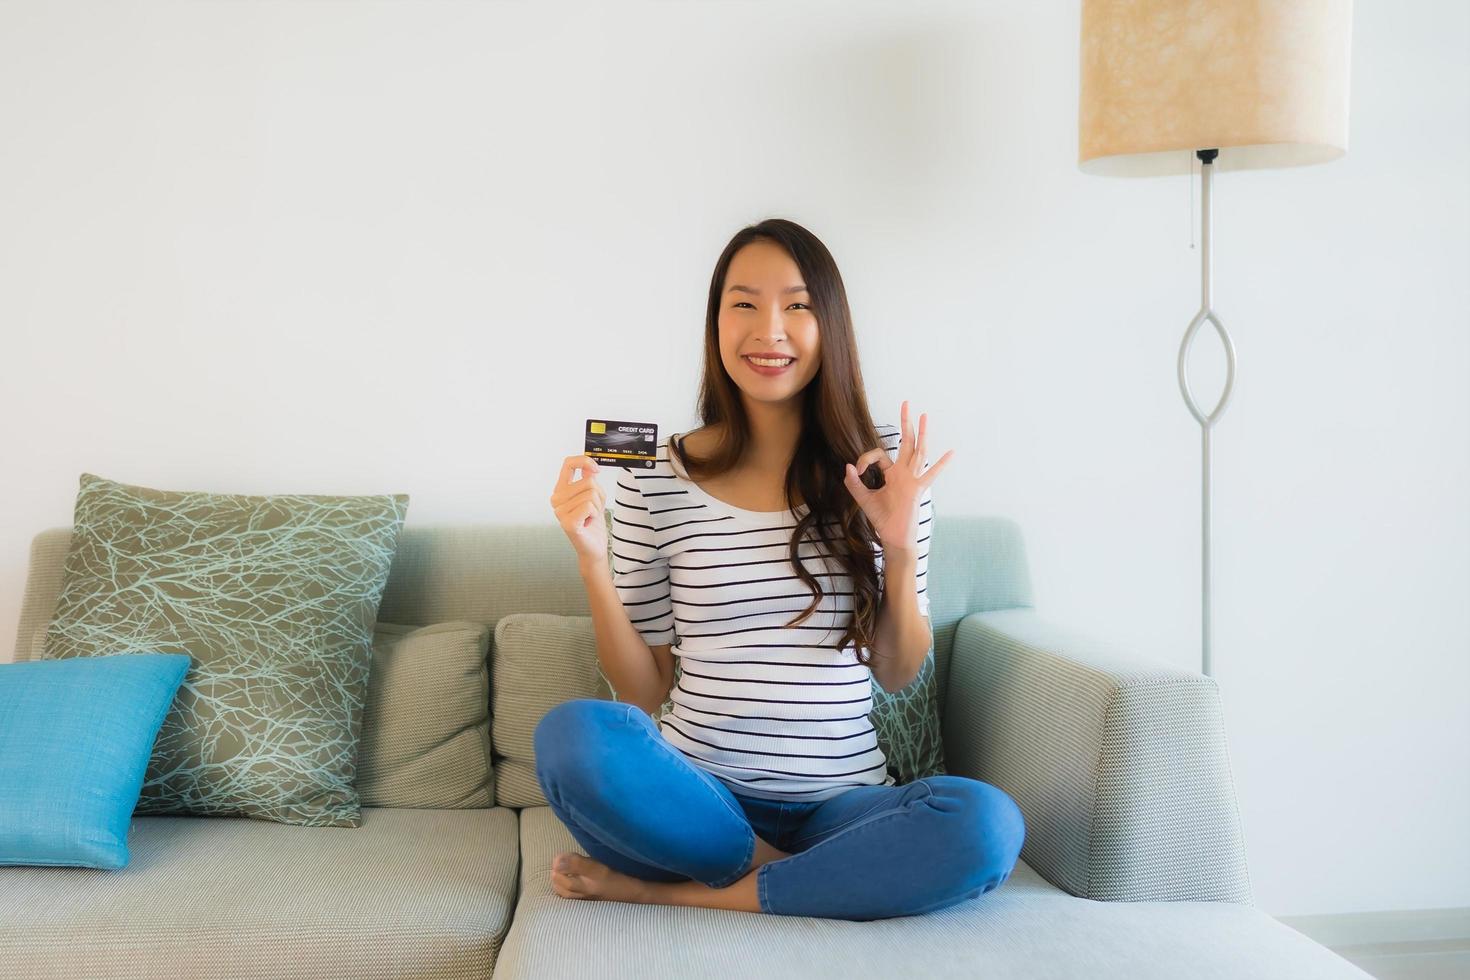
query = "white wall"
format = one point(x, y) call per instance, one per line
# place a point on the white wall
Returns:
point(327, 247)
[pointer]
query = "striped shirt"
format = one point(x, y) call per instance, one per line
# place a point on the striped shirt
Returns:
point(775, 712)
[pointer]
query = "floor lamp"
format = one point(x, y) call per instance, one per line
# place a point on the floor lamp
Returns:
point(1234, 84)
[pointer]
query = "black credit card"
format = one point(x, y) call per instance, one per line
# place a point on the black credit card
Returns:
point(626, 444)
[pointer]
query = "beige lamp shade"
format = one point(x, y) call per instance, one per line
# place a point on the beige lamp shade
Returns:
point(1264, 81)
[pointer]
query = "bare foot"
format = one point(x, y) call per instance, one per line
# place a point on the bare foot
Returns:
point(578, 876)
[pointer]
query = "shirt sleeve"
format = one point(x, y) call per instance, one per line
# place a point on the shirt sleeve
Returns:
point(921, 564)
point(640, 570)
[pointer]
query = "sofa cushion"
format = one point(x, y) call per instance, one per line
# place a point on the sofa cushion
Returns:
point(421, 893)
point(540, 660)
point(1026, 928)
point(274, 598)
point(75, 737)
point(426, 725)
point(35, 648)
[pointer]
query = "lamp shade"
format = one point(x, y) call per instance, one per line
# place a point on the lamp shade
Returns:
point(1264, 81)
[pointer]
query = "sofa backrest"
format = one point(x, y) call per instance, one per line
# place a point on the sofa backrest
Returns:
point(482, 572)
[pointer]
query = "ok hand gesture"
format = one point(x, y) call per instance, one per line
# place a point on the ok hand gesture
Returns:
point(893, 509)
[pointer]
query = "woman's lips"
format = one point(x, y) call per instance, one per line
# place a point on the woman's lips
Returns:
point(766, 369)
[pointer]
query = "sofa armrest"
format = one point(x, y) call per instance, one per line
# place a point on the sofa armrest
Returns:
point(1120, 767)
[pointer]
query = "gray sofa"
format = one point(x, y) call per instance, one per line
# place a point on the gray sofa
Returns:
point(1134, 864)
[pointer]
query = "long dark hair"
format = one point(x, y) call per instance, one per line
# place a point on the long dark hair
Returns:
point(835, 429)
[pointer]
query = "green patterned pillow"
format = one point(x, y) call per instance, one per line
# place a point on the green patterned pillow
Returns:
point(274, 599)
point(908, 726)
point(908, 723)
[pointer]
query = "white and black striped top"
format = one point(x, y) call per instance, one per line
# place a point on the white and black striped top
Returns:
point(775, 712)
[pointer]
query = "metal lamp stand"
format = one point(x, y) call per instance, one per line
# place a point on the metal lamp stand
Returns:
point(1207, 158)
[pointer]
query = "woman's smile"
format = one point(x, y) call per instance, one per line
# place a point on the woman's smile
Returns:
point(762, 364)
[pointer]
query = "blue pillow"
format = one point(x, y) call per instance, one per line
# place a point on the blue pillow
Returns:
point(75, 739)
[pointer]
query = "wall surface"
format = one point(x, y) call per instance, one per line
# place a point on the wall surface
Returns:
point(327, 247)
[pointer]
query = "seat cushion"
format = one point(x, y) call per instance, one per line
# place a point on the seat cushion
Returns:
point(1027, 928)
point(410, 892)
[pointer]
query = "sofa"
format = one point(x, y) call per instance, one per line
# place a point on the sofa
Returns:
point(1134, 863)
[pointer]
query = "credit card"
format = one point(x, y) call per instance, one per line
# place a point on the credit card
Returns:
point(627, 444)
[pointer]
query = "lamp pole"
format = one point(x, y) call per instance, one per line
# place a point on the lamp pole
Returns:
point(1207, 159)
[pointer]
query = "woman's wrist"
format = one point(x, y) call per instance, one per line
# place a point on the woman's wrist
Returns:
point(899, 557)
point(593, 567)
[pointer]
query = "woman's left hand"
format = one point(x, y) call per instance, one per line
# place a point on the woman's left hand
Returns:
point(893, 509)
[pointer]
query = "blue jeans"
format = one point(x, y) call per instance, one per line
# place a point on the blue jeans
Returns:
point(640, 806)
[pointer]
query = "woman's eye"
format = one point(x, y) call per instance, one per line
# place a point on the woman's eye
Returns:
point(802, 305)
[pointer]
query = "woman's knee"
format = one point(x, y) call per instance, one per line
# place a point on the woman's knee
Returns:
point(986, 831)
point(571, 732)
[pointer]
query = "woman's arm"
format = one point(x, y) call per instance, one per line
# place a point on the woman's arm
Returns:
point(903, 638)
point(902, 515)
point(640, 672)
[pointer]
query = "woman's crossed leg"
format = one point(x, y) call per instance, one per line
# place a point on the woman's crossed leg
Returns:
point(658, 828)
point(661, 830)
point(875, 852)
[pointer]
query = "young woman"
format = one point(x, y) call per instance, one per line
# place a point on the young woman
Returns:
point(764, 788)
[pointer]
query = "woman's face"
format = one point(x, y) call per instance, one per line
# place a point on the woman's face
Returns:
point(765, 313)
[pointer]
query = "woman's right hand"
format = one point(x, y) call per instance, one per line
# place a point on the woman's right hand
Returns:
point(578, 505)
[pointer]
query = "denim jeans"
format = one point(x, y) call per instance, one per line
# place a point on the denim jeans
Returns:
point(640, 806)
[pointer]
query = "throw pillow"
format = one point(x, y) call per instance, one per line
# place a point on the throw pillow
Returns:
point(426, 727)
point(274, 597)
point(541, 660)
point(908, 725)
point(75, 736)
